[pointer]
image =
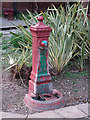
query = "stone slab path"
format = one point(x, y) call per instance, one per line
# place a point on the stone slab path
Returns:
point(78, 111)
point(7, 26)
point(5, 23)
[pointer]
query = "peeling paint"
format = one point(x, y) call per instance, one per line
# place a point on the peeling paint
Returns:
point(41, 94)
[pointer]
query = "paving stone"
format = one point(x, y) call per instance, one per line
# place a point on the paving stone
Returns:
point(8, 23)
point(71, 112)
point(5, 23)
point(89, 110)
point(83, 107)
point(64, 113)
point(0, 115)
point(11, 115)
point(7, 32)
point(46, 114)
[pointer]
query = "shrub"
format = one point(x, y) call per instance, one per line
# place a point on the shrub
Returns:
point(69, 32)
point(69, 36)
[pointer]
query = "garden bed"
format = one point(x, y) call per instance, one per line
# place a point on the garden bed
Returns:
point(71, 83)
point(68, 51)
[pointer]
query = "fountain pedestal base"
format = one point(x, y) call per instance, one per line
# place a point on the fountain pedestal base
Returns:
point(43, 102)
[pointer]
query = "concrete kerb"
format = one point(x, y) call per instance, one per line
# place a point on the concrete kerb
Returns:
point(46, 114)
point(67, 112)
point(84, 108)
point(11, 115)
point(71, 112)
point(78, 111)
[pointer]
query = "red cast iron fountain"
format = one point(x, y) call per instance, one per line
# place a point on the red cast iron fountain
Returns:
point(41, 95)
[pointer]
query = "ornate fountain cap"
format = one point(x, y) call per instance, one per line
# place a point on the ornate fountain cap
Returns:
point(40, 26)
point(40, 18)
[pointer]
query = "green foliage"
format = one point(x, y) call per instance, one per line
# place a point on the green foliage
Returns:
point(69, 74)
point(5, 47)
point(69, 32)
point(4, 43)
point(75, 90)
point(20, 49)
point(76, 75)
point(14, 41)
point(21, 45)
point(1, 14)
point(82, 33)
point(54, 77)
point(19, 15)
point(1, 34)
point(20, 57)
point(74, 82)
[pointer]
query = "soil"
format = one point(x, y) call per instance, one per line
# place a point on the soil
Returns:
point(71, 83)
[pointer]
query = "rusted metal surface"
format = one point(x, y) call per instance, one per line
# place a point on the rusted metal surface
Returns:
point(49, 102)
point(41, 95)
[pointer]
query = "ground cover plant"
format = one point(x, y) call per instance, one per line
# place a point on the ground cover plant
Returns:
point(68, 54)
